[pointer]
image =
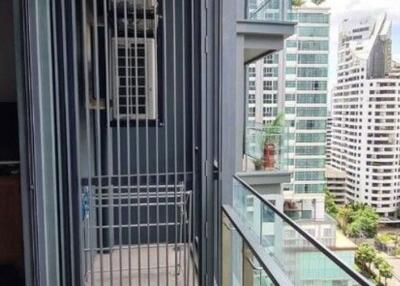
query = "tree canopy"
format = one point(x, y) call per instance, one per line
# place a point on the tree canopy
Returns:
point(330, 205)
point(358, 220)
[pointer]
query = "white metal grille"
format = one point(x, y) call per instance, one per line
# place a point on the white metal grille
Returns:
point(135, 79)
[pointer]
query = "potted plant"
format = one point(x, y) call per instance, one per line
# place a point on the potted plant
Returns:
point(297, 3)
point(271, 140)
point(258, 164)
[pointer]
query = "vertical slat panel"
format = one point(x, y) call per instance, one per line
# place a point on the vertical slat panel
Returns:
point(174, 83)
point(185, 262)
point(146, 72)
point(141, 215)
point(109, 141)
point(88, 129)
point(194, 128)
point(97, 142)
point(165, 95)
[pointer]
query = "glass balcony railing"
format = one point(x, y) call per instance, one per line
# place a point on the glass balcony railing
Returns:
point(265, 148)
point(268, 10)
point(281, 253)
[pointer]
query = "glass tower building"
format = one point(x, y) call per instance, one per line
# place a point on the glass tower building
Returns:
point(295, 82)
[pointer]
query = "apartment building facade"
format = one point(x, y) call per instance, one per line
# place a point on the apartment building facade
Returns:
point(365, 114)
point(294, 82)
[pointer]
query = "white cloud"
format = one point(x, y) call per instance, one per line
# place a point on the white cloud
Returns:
point(341, 9)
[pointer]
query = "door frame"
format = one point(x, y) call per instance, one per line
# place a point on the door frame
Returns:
point(36, 140)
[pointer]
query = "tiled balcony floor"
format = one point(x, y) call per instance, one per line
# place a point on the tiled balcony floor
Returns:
point(153, 271)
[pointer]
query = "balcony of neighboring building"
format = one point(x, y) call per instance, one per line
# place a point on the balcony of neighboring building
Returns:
point(262, 27)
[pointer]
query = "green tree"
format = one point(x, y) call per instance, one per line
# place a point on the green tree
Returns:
point(385, 271)
point(343, 216)
point(378, 261)
point(358, 220)
point(365, 256)
point(330, 205)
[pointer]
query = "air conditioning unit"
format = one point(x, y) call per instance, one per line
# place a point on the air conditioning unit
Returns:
point(137, 4)
point(134, 78)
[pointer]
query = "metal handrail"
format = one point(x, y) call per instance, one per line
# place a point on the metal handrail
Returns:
point(323, 249)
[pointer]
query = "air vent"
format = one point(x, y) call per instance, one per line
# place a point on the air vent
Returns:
point(134, 79)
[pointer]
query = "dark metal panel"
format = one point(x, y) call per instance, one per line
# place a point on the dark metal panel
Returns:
point(25, 151)
point(37, 142)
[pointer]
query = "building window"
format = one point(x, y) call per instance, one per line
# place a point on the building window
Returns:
point(311, 98)
point(269, 98)
point(315, 18)
point(270, 85)
point(310, 137)
point(290, 97)
point(290, 70)
point(252, 111)
point(313, 59)
point(252, 85)
point(270, 72)
point(312, 85)
point(313, 31)
point(252, 98)
point(312, 72)
point(314, 45)
point(291, 57)
point(251, 71)
point(291, 43)
point(311, 111)
point(290, 84)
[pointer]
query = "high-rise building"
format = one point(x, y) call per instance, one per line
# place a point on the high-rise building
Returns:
point(294, 82)
point(366, 125)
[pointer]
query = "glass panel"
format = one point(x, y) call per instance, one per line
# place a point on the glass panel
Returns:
point(253, 273)
point(232, 257)
point(269, 10)
point(239, 264)
point(266, 149)
point(298, 258)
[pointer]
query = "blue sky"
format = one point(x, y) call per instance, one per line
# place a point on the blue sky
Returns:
point(396, 39)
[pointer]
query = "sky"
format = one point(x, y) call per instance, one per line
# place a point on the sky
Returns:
point(341, 9)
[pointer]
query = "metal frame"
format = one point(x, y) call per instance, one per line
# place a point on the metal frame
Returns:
point(320, 247)
point(36, 122)
point(267, 263)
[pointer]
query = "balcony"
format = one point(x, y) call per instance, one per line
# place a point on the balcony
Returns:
point(262, 245)
point(265, 148)
point(270, 10)
point(263, 27)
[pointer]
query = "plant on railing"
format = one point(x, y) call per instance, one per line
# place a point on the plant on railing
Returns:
point(270, 140)
point(318, 2)
point(297, 3)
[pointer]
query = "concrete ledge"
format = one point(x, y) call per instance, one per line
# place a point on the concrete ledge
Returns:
point(266, 28)
point(262, 37)
point(274, 177)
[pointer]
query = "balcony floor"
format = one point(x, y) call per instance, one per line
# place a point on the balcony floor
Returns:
point(119, 259)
